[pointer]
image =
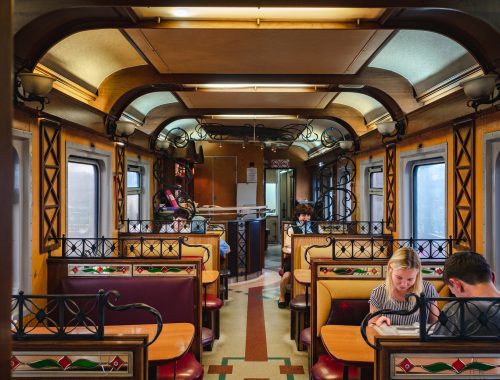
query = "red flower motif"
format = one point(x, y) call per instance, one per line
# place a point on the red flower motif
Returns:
point(99, 269)
point(348, 270)
point(139, 269)
point(14, 363)
point(406, 365)
point(116, 363)
point(74, 270)
point(163, 270)
point(64, 362)
point(122, 269)
point(458, 365)
point(439, 270)
point(374, 270)
point(323, 270)
point(189, 269)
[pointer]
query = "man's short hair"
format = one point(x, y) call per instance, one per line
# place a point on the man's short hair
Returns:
point(469, 267)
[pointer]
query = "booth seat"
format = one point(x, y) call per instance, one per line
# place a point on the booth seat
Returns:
point(173, 297)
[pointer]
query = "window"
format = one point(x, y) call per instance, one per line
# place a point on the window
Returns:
point(376, 194)
point(422, 193)
point(134, 192)
point(428, 209)
point(83, 198)
point(21, 213)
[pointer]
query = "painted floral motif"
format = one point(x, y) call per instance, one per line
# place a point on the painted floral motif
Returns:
point(350, 271)
point(457, 367)
point(64, 363)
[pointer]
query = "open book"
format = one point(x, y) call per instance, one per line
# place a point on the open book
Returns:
point(411, 330)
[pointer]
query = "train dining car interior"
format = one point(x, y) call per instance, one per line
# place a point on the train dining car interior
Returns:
point(250, 189)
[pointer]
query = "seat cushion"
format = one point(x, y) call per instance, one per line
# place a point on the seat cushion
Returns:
point(212, 302)
point(187, 368)
point(207, 336)
point(305, 336)
point(327, 368)
point(348, 312)
point(298, 303)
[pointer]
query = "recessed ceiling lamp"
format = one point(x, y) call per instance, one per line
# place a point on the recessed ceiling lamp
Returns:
point(181, 12)
point(257, 87)
point(253, 117)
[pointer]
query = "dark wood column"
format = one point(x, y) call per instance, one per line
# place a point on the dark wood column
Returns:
point(390, 187)
point(6, 184)
point(463, 184)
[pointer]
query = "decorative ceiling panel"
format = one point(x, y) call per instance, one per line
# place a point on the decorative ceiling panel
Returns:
point(89, 57)
point(422, 56)
point(363, 103)
point(257, 51)
point(313, 100)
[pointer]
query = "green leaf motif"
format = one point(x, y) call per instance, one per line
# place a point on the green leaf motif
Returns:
point(45, 363)
point(438, 367)
point(84, 363)
point(478, 366)
point(154, 270)
point(175, 270)
point(109, 270)
point(360, 271)
point(427, 271)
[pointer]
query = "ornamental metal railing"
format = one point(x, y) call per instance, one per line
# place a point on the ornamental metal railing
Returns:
point(62, 316)
point(464, 319)
point(127, 247)
point(147, 226)
point(374, 248)
point(338, 227)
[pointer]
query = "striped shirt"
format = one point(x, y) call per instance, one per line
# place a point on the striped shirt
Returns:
point(381, 300)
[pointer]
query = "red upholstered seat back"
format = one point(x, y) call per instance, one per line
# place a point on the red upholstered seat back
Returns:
point(173, 297)
point(348, 311)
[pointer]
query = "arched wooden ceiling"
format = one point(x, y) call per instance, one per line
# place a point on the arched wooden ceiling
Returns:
point(332, 57)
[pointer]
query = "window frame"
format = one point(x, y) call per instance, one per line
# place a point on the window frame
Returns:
point(406, 160)
point(105, 159)
point(24, 139)
point(96, 164)
point(374, 190)
point(143, 167)
point(135, 190)
point(414, 165)
point(364, 185)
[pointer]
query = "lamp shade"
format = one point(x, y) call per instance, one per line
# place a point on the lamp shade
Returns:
point(36, 84)
point(345, 144)
point(162, 144)
point(386, 127)
point(481, 87)
point(124, 128)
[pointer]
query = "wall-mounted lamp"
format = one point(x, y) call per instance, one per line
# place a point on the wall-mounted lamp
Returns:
point(391, 131)
point(481, 90)
point(162, 144)
point(346, 144)
point(120, 130)
point(36, 87)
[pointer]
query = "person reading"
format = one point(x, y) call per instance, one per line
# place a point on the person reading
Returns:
point(404, 276)
point(302, 225)
point(469, 275)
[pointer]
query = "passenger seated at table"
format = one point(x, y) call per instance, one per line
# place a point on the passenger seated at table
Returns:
point(468, 274)
point(404, 275)
point(199, 226)
point(179, 224)
point(302, 225)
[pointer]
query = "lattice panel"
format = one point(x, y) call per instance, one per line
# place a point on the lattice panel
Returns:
point(463, 184)
point(390, 187)
point(121, 193)
point(50, 184)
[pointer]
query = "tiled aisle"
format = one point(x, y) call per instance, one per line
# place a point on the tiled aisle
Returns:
point(256, 356)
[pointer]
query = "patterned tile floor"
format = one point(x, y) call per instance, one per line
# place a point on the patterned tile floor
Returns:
point(267, 351)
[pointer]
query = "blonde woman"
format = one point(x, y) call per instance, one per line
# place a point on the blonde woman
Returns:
point(404, 275)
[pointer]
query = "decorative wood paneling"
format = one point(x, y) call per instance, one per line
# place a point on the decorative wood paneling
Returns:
point(50, 184)
point(121, 193)
point(463, 184)
point(390, 187)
